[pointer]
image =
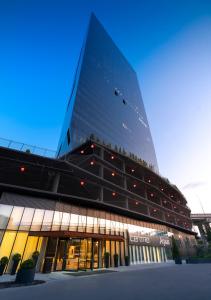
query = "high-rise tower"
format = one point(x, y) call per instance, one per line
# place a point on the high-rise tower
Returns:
point(105, 101)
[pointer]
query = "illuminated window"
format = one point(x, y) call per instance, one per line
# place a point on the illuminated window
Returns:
point(7, 243)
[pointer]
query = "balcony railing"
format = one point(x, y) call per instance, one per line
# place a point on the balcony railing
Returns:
point(27, 148)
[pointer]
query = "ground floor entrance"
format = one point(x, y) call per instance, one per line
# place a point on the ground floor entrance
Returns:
point(73, 254)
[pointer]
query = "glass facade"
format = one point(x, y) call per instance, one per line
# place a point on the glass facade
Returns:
point(24, 230)
point(106, 102)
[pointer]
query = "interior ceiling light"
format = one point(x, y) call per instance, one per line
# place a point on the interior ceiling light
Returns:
point(91, 163)
point(92, 146)
point(113, 194)
point(82, 151)
point(134, 185)
point(149, 180)
point(82, 183)
point(113, 174)
point(112, 157)
point(132, 170)
point(152, 195)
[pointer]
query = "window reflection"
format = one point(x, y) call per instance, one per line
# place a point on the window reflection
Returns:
point(47, 220)
point(5, 211)
point(15, 218)
point(27, 218)
point(37, 219)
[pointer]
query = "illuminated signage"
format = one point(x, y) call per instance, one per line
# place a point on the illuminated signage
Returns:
point(149, 240)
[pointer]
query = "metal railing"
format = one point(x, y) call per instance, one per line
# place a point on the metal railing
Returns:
point(27, 148)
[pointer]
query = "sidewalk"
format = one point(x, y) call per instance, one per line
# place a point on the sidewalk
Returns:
point(62, 276)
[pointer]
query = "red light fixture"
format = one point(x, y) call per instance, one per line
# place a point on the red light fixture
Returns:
point(92, 163)
point(172, 196)
point(82, 183)
point(112, 157)
point(149, 180)
point(113, 174)
point(154, 210)
point(162, 189)
point(82, 151)
point(22, 169)
point(134, 185)
point(132, 170)
point(113, 194)
point(165, 201)
point(136, 202)
point(92, 146)
point(152, 195)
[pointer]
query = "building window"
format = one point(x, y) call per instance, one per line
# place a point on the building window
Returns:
point(68, 136)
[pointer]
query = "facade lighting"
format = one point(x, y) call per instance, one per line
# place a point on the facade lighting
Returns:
point(82, 183)
point(113, 194)
point(91, 163)
point(134, 185)
point(92, 146)
point(112, 157)
point(22, 169)
point(113, 174)
point(82, 151)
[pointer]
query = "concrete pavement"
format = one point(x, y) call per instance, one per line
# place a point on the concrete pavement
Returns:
point(172, 282)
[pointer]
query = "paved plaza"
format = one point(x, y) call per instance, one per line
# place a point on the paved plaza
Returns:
point(151, 282)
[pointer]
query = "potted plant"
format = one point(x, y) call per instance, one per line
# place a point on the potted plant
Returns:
point(175, 252)
point(35, 256)
point(127, 260)
point(3, 263)
point(16, 259)
point(116, 260)
point(107, 259)
point(26, 272)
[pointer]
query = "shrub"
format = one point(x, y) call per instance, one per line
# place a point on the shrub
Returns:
point(35, 255)
point(27, 264)
point(4, 261)
point(175, 249)
point(16, 257)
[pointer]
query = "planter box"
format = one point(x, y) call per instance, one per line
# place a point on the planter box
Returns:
point(198, 261)
point(25, 276)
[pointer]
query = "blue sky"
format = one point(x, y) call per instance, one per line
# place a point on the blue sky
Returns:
point(167, 42)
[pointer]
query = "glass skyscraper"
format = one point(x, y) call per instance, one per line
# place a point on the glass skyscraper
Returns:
point(106, 101)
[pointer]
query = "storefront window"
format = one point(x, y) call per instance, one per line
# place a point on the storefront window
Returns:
point(26, 219)
point(57, 219)
point(47, 220)
point(5, 211)
point(37, 219)
point(15, 218)
point(65, 221)
point(7, 243)
point(90, 221)
point(18, 246)
point(73, 222)
point(31, 246)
